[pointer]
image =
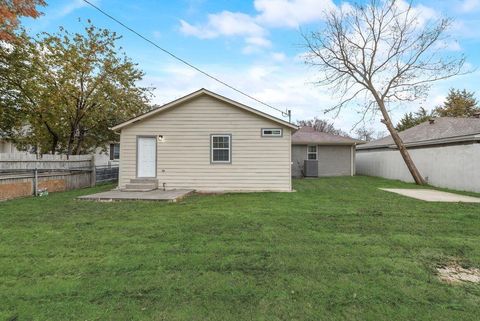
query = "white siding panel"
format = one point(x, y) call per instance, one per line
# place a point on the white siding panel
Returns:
point(183, 158)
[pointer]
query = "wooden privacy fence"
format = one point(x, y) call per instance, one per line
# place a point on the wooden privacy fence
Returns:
point(25, 174)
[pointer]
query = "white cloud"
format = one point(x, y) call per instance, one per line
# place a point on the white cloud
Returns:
point(466, 29)
point(274, 14)
point(278, 56)
point(230, 24)
point(225, 23)
point(258, 41)
point(278, 13)
point(71, 7)
point(291, 13)
point(448, 45)
point(255, 45)
point(422, 13)
point(469, 5)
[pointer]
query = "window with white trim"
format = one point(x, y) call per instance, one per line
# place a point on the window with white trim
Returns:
point(221, 148)
point(312, 152)
point(272, 132)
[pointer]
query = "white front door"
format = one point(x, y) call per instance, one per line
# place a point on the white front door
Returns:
point(146, 157)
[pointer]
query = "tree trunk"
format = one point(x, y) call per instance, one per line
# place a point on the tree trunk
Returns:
point(80, 140)
point(71, 139)
point(54, 144)
point(55, 138)
point(401, 146)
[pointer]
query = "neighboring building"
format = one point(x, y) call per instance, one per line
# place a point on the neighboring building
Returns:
point(317, 154)
point(103, 157)
point(206, 142)
point(7, 147)
point(446, 151)
point(108, 157)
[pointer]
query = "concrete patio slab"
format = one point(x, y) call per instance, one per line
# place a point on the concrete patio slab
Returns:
point(431, 195)
point(155, 195)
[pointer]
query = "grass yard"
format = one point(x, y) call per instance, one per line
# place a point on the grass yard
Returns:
point(338, 249)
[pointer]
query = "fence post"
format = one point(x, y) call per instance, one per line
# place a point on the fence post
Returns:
point(93, 173)
point(35, 181)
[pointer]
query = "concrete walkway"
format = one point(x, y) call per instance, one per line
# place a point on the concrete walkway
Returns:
point(155, 195)
point(431, 195)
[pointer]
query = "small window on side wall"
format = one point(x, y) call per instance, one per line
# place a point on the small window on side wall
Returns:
point(114, 151)
point(221, 148)
point(272, 132)
point(312, 152)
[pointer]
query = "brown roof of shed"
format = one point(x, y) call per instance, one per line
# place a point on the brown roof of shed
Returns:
point(442, 130)
point(308, 135)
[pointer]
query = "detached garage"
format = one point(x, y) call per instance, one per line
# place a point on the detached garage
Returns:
point(317, 154)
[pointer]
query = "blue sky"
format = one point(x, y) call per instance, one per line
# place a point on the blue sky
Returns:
point(254, 45)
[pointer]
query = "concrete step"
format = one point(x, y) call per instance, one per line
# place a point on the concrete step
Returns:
point(144, 180)
point(138, 189)
point(143, 186)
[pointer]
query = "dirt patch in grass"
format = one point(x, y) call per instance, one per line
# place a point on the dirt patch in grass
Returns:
point(454, 273)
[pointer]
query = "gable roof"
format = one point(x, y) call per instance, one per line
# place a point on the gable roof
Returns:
point(443, 130)
point(196, 94)
point(308, 135)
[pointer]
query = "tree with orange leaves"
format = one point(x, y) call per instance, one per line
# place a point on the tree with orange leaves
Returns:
point(11, 11)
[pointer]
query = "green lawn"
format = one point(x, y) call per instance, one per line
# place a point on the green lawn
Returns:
point(337, 249)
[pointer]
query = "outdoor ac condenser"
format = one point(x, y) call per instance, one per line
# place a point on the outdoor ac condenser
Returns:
point(311, 168)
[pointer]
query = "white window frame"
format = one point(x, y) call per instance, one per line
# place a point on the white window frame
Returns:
point(312, 153)
point(212, 161)
point(279, 134)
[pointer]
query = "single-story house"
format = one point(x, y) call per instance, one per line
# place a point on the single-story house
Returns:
point(206, 142)
point(317, 154)
point(446, 151)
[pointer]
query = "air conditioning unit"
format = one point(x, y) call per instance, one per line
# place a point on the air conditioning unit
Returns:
point(311, 168)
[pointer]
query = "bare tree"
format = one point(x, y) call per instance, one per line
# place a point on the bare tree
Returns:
point(364, 133)
point(378, 54)
point(321, 125)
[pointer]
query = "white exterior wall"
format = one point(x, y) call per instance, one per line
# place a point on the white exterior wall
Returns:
point(8, 148)
point(455, 167)
point(183, 158)
point(102, 157)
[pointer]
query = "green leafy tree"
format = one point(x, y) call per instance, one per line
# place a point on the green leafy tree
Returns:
point(413, 119)
point(66, 90)
point(459, 103)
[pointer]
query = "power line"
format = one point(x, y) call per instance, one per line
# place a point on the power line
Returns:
point(284, 113)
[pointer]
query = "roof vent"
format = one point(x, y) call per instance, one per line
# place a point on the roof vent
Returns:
point(431, 121)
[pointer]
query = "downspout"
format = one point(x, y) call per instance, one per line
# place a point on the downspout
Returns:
point(352, 160)
point(119, 161)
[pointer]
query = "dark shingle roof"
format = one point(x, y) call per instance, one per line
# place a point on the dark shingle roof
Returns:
point(442, 130)
point(308, 135)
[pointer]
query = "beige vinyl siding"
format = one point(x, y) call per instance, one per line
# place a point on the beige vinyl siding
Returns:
point(183, 159)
